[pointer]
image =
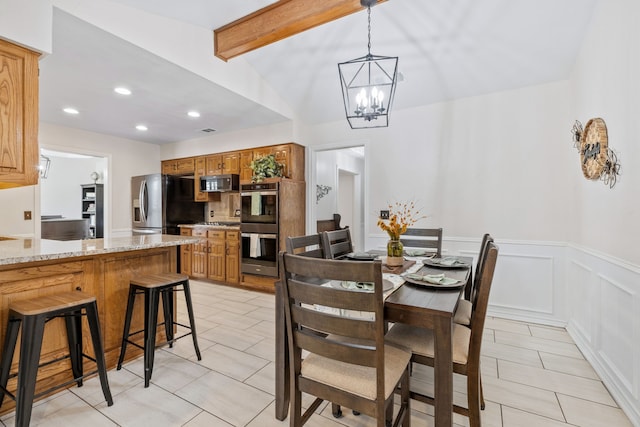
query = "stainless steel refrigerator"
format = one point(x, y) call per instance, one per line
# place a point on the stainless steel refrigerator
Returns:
point(160, 203)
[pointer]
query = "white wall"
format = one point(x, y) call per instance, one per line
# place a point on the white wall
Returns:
point(603, 275)
point(60, 192)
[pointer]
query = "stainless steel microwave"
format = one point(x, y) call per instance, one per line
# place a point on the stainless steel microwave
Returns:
point(220, 183)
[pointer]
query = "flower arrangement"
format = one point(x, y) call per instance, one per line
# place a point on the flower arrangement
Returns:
point(265, 167)
point(401, 217)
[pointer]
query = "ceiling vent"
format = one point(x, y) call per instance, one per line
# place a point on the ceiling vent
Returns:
point(208, 130)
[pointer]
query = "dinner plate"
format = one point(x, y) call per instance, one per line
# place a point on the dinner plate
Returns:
point(433, 285)
point(436, 262)
point(361, 256)
point(386, 286)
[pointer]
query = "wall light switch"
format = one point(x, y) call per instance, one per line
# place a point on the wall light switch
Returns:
point(384, 214)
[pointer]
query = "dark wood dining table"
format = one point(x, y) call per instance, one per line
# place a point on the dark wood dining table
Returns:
point(423, 306)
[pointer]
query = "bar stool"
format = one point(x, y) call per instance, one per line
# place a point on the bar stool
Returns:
point(32, 314)
point(152, 286)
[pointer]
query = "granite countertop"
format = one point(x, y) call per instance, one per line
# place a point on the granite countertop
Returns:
point(21, 250)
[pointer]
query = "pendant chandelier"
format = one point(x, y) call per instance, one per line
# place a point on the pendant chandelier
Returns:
point(368, 85)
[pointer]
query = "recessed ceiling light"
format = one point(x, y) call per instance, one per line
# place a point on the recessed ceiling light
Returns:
point(194, 114)
point(70, 110)
point(142, 127)
point(122, 91)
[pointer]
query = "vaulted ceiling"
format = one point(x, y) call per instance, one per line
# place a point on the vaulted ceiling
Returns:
point(447, 49)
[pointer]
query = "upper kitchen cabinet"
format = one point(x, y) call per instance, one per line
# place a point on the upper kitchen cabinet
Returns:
point(178, 166)
point(246, 157)
point(291, 156)
point(18, 116)
point(225, 163)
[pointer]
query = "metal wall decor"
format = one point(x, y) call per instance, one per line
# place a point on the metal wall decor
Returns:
point(597, 159)
point(321, 191)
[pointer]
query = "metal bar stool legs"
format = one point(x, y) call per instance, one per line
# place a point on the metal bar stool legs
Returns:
point(153, 287)
point(31, 316)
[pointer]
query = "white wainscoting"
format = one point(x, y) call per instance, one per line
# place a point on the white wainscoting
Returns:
point(604, 321)
point(595, 296)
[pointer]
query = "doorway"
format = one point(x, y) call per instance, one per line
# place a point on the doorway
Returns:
point(338, 180)
point(62, 175)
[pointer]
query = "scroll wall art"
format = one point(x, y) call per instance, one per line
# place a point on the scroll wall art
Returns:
point(597, 159)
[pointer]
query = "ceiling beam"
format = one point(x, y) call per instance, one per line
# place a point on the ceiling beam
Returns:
point(276, 22)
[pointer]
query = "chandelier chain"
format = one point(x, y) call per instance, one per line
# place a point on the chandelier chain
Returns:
point(369, 29)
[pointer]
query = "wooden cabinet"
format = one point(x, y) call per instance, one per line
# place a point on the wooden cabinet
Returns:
point(19, 151)
point(233, 257)
point(225, 163)
point(178, 166)
point(290, 155)
point(199, 254)
point(93, 208)
point(246, 157)
point(200, 170)
point(185, 254)
point(215, 257)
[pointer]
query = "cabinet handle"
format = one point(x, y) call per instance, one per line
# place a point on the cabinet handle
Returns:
point(78, 288)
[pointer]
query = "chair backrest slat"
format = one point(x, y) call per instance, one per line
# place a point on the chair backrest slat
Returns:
point(427, 238)
point(343, 351)
point(309, 245)
point(337, 243)
point(328, 224)
point(317, 320)
point(305, 290)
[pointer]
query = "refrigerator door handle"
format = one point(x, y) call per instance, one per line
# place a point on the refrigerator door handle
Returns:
point(143, 201)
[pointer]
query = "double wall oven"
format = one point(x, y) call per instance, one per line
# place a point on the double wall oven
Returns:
point(259, 228)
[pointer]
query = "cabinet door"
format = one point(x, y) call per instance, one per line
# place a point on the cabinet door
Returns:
point(185, 254)
point(199, 196)
point(184, 166)
point(18, 116)
point(214, 165)
point(199, 254)
point(233, 257)
point(246, 157)
point(169, 167)
point(231, 162)
point(217, 255)
point(283, 154)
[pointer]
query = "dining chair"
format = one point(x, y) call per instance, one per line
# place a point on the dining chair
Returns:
point(423, 238)
point(336, 243)
point(329, 224)
point(309, 245)
point(466, 344)
point(462, 315)
point(347, 361)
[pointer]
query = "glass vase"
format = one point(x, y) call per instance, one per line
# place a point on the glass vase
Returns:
point(394, 253)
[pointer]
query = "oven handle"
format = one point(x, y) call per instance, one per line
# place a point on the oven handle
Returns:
point(262, 193)
point(260, 236)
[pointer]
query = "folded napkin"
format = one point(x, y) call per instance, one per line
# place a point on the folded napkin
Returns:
point(357, 285)
point(436, 279)
point(451, 262)
point(415, 252)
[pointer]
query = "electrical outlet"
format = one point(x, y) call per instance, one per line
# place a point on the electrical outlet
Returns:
point(27, 215)
point(384, 214)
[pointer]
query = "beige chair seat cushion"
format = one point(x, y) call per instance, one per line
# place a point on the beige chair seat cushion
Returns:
point(421, 341)
point(356, 379)
point(462, 316)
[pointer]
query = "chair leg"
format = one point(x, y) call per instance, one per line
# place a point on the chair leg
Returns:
point(406, 398)
point(192, 320)
point(127, 325)
point(73, 322)
point(473, 398)
point(336, 411)
point(152, 300)
point(481, 392)
point(167, 309)
point(9, 348)
point(96, 339)
point(32, 326)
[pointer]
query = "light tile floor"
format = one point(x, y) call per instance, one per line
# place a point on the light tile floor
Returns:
point(532, 375)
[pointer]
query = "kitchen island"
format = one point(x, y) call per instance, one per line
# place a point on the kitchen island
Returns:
point(102, 267)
